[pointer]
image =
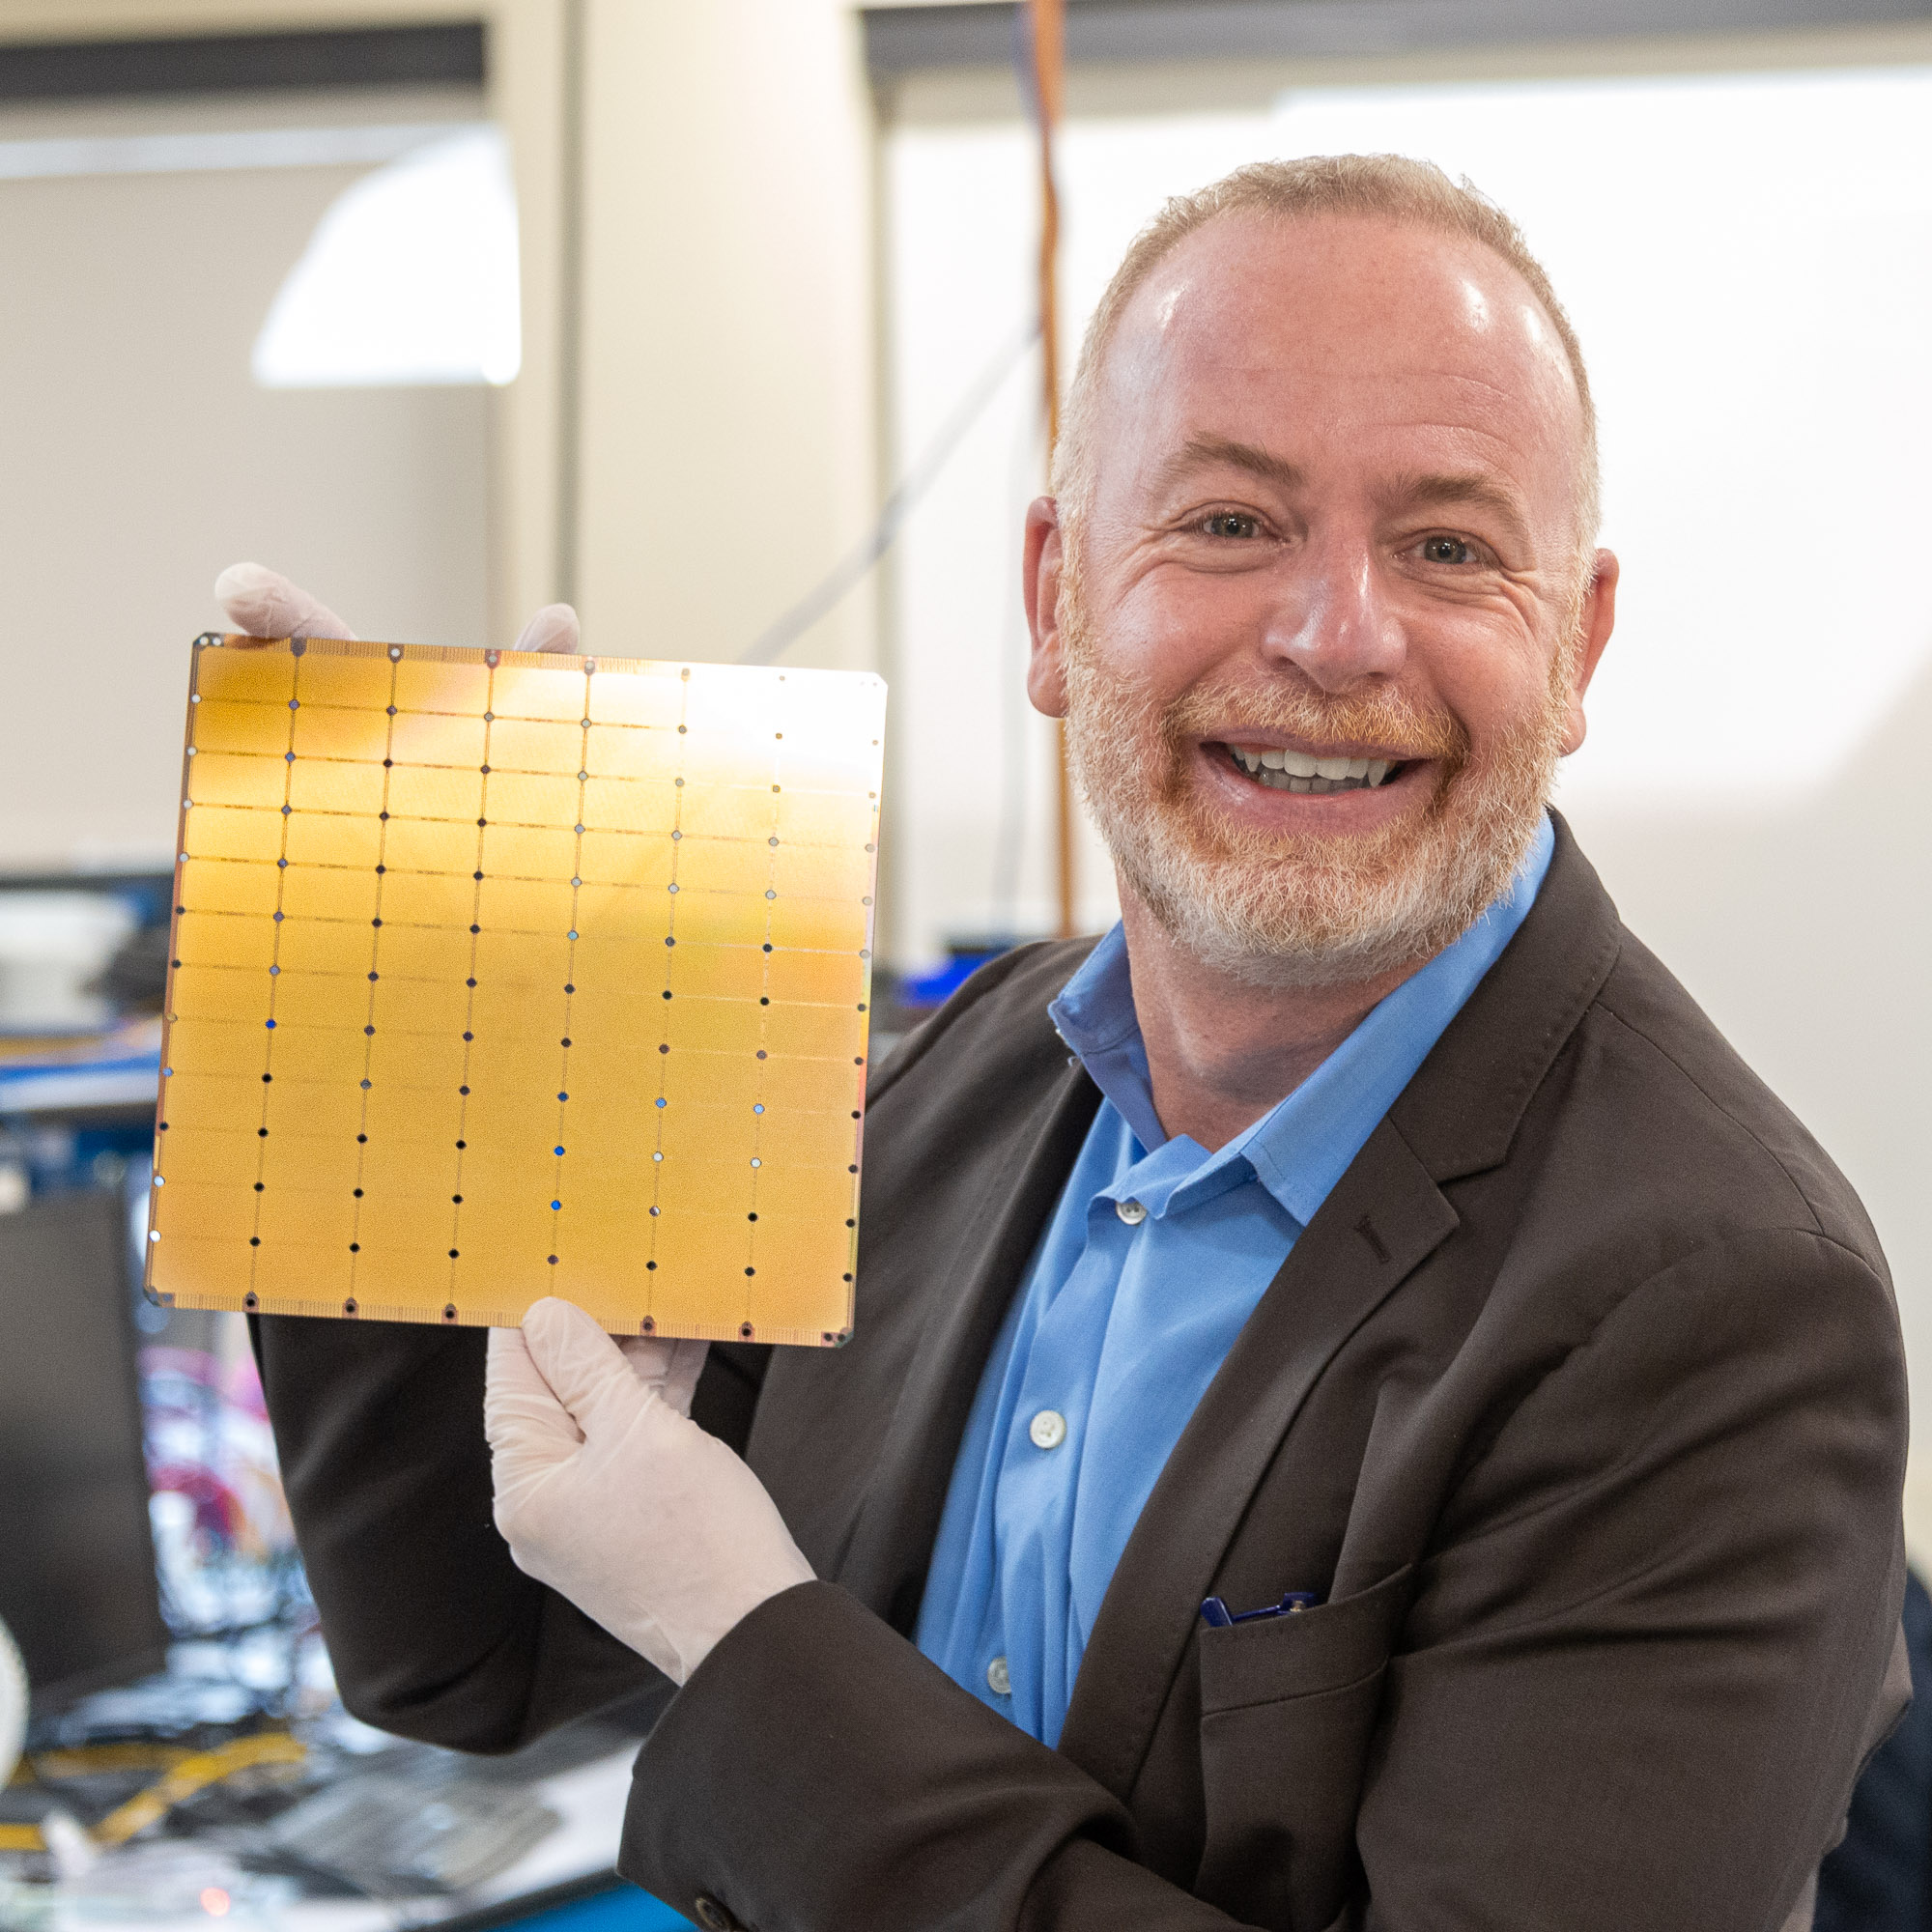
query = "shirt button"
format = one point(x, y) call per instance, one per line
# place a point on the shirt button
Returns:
point(1048, 1429)
point(998, 1678)
point(1130, 1212)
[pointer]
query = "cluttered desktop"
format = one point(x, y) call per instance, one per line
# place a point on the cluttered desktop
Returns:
point(184, 1758)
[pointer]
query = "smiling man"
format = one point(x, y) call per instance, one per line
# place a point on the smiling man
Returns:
point(1363, 1413)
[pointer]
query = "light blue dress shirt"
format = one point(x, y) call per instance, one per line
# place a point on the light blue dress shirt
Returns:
point(1154, 1258)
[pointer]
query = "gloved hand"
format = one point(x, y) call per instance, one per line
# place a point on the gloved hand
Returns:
point(264, 604)
point(616, 1500)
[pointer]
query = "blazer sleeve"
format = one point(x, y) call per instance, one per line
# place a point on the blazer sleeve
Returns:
point(434, 1632)
point(1646, 1656)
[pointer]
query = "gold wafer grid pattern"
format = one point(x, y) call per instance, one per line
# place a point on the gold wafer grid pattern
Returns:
point(497, 975)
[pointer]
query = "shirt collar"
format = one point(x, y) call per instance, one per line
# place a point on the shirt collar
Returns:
point(1095, 1015)
point(1303, 1147)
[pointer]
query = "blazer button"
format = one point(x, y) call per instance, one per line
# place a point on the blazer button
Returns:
point(713, 1917)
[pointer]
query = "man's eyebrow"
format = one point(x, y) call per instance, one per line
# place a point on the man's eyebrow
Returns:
point(1450, 488)
point(1203, 451)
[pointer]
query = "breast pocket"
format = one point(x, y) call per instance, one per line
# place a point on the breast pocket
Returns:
point(1287, 1706)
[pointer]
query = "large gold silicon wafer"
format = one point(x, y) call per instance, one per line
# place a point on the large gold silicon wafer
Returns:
point(499, 976)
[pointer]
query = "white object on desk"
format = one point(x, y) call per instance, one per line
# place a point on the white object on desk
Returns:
point(12, 1704)
point(52, 946)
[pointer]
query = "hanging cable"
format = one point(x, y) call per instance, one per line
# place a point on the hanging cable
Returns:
point(853, 567)
point(1017, 714)
point(1047, 22)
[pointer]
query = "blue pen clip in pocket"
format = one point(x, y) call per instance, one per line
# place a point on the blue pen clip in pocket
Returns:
point(1216, 1615)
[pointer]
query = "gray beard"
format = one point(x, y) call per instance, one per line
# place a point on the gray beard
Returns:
point(1289, 914)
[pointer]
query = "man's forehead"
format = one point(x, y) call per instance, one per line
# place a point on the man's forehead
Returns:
point(1383, 316)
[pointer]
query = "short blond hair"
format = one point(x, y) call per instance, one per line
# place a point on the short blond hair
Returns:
point(1389, 188)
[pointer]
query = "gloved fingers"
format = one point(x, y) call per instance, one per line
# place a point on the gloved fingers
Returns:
point(265, 604)
point(554, 628)
point(652, 1528)
point(529, 1430)
point(672, 1368)
point(687, 1365)
point(582, 1365)
point(650, 1359)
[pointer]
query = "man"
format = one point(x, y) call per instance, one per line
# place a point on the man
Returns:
point(1382, 1237)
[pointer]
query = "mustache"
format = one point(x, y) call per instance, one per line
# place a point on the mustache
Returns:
point(1389, 720)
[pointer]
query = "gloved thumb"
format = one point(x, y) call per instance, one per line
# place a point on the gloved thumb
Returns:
point(584, 1366)
point(264, 604)
point(528, 1430)
point(521, 1411)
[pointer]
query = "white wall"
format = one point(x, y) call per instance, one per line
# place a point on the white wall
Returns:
point(729, 445)
point(141, 457)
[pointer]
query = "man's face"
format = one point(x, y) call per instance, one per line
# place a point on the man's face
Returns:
point(1332, 519)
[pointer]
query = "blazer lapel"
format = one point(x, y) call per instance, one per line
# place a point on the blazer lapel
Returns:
point(1382, 1219)
point(1461, 1111)
point(885, 1562)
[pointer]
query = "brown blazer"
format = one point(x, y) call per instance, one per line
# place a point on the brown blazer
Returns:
point(1582, 1401)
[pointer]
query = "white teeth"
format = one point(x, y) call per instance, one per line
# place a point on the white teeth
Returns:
point(1298, 772)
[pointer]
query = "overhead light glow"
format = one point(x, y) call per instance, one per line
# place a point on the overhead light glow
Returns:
point(410, 277)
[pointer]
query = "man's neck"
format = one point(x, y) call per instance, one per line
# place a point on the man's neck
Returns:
point(1222, 1053)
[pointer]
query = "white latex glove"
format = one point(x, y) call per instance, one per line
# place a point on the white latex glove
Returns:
point(264, 604)
point(608, 1495)
point(672, 1368)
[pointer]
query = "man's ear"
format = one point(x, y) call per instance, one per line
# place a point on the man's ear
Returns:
point(1597, 620)
point(1039, 579)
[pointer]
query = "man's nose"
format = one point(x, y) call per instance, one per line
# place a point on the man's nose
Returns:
point(1336, 625)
